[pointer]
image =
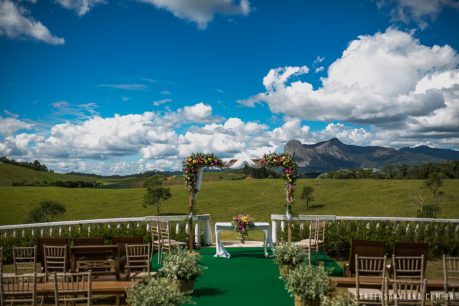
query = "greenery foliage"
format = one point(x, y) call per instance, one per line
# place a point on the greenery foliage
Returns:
point(306, 195)
point(154, 193)
point(46, 211)
point(431, 209)
point(340, 299)
point(448, 170)
point(442, 237)
point(157, 292)
point(289, 254)
point(182, 264)
point(35, 165)
point(308, 282)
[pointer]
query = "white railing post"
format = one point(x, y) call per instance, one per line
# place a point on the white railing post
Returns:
point(274, 231)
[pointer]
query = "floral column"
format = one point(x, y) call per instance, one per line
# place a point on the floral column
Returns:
point(289, 167)
point(193, 168)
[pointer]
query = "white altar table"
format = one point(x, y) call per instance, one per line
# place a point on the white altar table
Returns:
point(220, 250)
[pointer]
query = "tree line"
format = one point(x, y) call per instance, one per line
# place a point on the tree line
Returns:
point(448, 170)
point(35, 165)
point(65, 184)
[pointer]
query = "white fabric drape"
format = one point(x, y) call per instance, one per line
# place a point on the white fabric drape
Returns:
point(241, 163)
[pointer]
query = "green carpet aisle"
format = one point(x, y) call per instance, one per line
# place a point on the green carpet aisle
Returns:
point(246, 278)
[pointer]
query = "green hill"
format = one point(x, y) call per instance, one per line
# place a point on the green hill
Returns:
point(10, 174)
point(224, 199)
point(17, 175)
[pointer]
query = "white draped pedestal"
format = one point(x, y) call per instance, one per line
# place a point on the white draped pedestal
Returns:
point(220, 250)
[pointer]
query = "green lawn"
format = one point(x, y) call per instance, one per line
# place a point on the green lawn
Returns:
point(224, 199)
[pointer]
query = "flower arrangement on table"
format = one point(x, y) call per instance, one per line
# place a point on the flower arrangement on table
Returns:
point(194, 162)
point(242, 225)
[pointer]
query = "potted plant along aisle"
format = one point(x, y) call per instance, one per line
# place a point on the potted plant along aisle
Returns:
point(288, 256)
point(308, 284)
point(183, 267)
point(157, 292)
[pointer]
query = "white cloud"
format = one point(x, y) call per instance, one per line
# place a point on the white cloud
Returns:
point(166, 92)
point(130, 86)
point(198, 112)
point(16, 23)
point(388, 79)
point(319, 69)
point(419, 11)
point(202, 11)
point(81, 7)
point(161, 102)
point(8, 126)
point(348, 135)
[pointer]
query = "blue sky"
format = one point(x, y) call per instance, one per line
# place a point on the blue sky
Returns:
point(126, 86)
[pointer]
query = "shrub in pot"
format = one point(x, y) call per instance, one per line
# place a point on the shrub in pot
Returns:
point(308, 284)
point(157, 292)
point(183, 267)
point(339, 299)
point(288, 256)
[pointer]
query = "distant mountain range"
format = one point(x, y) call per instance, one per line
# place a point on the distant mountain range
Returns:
point(333, 155)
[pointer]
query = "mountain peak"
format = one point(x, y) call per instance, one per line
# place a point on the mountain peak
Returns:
point(335, 141)
point(332, 155)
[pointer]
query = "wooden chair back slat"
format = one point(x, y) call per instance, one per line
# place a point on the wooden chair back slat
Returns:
point(408, 267)
point(18, 289)
point(24, 259)
point(369, 248)
point(72, 287)
point(138, 257)
point(406, 291)
point(55, 259)
point(451, 279)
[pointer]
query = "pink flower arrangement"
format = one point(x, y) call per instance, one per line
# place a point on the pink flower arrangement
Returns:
point(290, 169)
point(242, 224)
point(194, 162)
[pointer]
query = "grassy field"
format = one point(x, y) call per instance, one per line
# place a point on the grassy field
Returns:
point(224, 199)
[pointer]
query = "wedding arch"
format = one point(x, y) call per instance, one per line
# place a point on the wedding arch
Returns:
point(193, 168)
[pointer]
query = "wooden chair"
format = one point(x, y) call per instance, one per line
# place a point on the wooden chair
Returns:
point(56, 259)
point(167, 243)
point(42, 241)
point(138, 261)
point(121, 243)
point(18, 289)
point(72, 287)
point(370, 272)
point(451, 279)
point(316, 238)
point(412, 249)
point(155, 238)
point(406, 292)
point(408, 267)
point(368, 248)
point(25, 261)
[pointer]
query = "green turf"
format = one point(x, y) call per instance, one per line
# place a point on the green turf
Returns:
point(247, 277)
point(224, 199)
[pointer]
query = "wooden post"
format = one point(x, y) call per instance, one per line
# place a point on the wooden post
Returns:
point(289, 224)
point(190, 222)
